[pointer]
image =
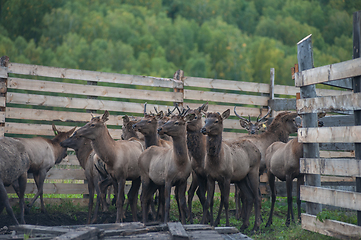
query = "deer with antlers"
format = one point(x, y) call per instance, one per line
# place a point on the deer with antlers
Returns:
point(167, 166)
point(120, 157)
point(227, 162)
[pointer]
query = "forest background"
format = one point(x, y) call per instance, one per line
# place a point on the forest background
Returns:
point(222, 39)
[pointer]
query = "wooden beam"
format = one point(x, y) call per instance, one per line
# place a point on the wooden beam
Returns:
point(330, 228)
point(79, 103)
point(337, 198)
point(328, 73)
point(348, 134)
point(338, 120)
point(337, 146)
point(225, 97)
point(332, 166)
point(54, 72)
point(2, 101)
point(310, 150)
point(45, 130)
point(93, 90)
point(177, 231)
point(343, 83)
point(283, 104)
point(3, 72)
point(347, 102)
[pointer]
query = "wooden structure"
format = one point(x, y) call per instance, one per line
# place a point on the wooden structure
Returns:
point(314, 166)
point(133, 230)
point(33, 97)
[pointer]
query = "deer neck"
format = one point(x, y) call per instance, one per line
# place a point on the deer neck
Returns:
point(83, 153)
point(104, 147)
point(196, 145)
point(57, 151)
point(180, 149)
point(214, 147)
point(151, 139)
point(276, 135)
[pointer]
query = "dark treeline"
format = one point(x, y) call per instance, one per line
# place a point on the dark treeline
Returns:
point(225, 39)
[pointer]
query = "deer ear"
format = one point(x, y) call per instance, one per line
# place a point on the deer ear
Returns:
point(226, 114)
point(54, 129)
point(126, 119)
point(243, 123)
point(71, 131)
point(203, 108)
point(105, 116)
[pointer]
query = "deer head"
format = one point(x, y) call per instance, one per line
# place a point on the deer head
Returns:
point(253, 128)
point(214, 123)
point(94, 128)
point(176, 125)
point(195, 123)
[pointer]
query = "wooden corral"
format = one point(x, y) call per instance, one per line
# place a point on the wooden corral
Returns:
point(348, 134)
point(33, 97)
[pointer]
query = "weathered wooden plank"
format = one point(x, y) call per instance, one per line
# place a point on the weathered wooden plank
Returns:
point(80, 234)
point(329, 92)
point(92, 90)
point(55, 188)
point(338, 167)
point(55, 72)
point(330, 134)
point(70, 160)
point(338, 120)
point(226, 84)
point(337, 154)
point(2, 131)
point(80, 103)
point(282, 104)
point(83, 202)
point(3, 72)
point(3, 87)
point(226, 230)
point(328, 73)
point(342, 83)
point(337, 146)
point(69, 174)
point(205, 234)
point(124, 232)
point(45, 130)
point(33, 229)
point(331, 228)
point(337, 198)
point(225, 97)
point(2, 117)
point(197, 227)
point(2, 101)
point(177, 231)
point(49, 115)
point(349, 102)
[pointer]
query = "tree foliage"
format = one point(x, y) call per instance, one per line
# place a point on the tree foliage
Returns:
point(225, 39)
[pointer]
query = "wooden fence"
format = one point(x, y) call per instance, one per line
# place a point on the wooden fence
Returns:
point(33, 97)
point(312, 164)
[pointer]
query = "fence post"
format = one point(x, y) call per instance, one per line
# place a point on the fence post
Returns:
point(310, 150)
point(179, 76)
point(357, 88)
point(272, 87)
point(4, 63)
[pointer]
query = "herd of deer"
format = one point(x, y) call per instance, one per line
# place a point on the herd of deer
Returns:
point(173, 146)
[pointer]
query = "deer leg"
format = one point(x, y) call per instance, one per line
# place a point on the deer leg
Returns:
point(271, 181)
point(209, 202)
point(120, 200)
point(201, 192)
point(91, 198)
point(39, 181)
point(176, 196)
point(253, 177)
point(4, 202)
point(161, 203)
point(167, 191)
point(182, 201)
point(103, 186)
point(97, 206)
point(148, 188)
point(300, 181)
point(225, 188)
point(191, 191)
point(22, 186)
point(289, 199)
point(133, 197)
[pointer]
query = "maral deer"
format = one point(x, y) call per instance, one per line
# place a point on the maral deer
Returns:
point(253, 128)
point(283, 162)
point(196, 142)
point(86, 157)
point(167, 166)
point(14, 164)
point(227, 162)
point(44, 154)
point(120, 157)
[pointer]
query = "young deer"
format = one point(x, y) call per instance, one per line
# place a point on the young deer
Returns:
point(227, 162)
point(167, 167)
point(120, 157)
point(253, 128)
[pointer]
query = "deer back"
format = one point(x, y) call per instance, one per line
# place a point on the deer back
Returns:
point(14, 160)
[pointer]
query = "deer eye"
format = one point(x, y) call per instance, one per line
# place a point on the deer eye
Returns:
point(92, 125)
point(149, 121)
point(216, 121)
point(195, 117)
point(176, 123)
